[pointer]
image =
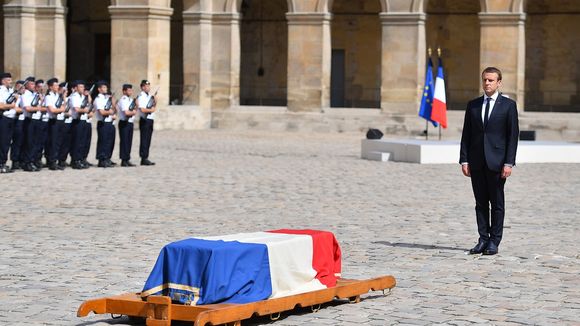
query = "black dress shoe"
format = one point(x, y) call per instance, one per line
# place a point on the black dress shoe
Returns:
point(77, 165)
point(16, 166)
point(127, 163)
point(479, 248)
point(30, 167)
point(146, 162)
point(52, 166)
point(5, 169)
point(87, 163)
point(490, 250)
point(111, 163)
point(61, 165)
point(102, 164)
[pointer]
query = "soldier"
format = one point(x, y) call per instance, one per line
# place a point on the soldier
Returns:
point(87, 129)
point(54, 102)
point(79, 107)
point(30, 104)
point(66, 131)
point(7, 118)
point(43, 126)
point(105, 114)
point(18, 134)
point(126, 110)
point(147, 107)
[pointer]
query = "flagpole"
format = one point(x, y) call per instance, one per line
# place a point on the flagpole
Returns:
point(426, 130)
point(439, 131)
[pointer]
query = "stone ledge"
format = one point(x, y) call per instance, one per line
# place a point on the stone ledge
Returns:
point(140, 12)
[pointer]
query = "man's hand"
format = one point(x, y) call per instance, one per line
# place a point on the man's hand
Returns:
point(465, 169)
point(506, 172)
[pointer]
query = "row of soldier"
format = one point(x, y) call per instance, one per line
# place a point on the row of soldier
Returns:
point(37, 122)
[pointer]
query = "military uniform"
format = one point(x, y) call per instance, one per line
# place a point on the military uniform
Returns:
point(65, 135)
point(54, 102)
point(7, 122)
point(31, 128)
point(125, 106)
point(146, 121)
point(104, 114)
point(18, 134)
point(78, 133)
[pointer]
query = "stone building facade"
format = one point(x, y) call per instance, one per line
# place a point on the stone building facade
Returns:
point(320, 65)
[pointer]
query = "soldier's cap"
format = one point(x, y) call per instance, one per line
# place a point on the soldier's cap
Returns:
point(51, 81)
point(102, 83)
point(39, 81)
point(29, 79)
point(21, 82)
point(145, 82)
point(5, 75)
point(127, 86)
point(78, 82)
point(62, 84)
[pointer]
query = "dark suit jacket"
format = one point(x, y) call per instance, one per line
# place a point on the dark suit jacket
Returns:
point(495, 145)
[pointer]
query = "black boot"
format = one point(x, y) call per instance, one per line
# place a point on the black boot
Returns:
point(16, 165)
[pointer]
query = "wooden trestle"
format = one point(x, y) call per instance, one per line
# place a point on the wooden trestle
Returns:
point(160, 311)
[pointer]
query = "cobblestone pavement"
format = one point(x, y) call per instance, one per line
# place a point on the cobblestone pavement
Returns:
point(68, 236)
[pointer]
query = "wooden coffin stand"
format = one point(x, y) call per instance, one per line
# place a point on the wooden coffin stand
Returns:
point(160, 311)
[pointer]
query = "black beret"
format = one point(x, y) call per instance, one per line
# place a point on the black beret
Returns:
point(145, 82)
point(5, 75)
point(20, 82)
point(101, 83)
point(29, 79)
point(127, 86)
point(79, 82)
point(63, 84)
point(51, 81)
point(39, 81)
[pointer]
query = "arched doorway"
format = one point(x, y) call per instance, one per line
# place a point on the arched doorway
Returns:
point(264, 52)
point(176, 54)
point(552, 61)
point(355, 78)
point(88, 40)
point(453, 25)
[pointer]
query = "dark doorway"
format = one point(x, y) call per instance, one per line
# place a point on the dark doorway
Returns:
point(337, 79)
point(264, 53)
point(176, 54)
point(88, 46)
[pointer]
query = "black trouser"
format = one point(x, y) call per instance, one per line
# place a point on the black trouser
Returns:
point(17, 141)
point(6, 132)
point(54, 143)
point(145, 131)
point(77, 140)
point(105, 140)
point(32, 130)
point(42, 139)
point(488, 188)
point(87, 128)
point(126, 139)
point(66, 141)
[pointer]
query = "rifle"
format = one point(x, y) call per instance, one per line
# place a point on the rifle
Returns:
point(58, 103)
point(12, 97)
point(133, 104)
point(35, 99)
point(86, 99)
point(109, 103)
point(152, 102)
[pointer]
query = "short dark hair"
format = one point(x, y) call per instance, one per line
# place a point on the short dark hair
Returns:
point(492, 70)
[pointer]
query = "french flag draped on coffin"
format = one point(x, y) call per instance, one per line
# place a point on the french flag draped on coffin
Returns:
point(245, 267)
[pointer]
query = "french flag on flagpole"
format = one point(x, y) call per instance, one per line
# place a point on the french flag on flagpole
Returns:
point(245, 267)
point(439, 110)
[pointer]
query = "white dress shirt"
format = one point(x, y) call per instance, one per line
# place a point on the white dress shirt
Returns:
point(491, 105)
point(142, 101)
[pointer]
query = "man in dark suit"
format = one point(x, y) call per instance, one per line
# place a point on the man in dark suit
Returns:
point(488, 153)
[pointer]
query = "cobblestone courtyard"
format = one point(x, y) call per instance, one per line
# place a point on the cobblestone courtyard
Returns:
point(68, 236)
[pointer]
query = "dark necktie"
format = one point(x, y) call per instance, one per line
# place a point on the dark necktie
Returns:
point(486, 116)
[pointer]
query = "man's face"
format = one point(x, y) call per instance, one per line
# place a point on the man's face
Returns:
point(29, 86)
point(80, 88)
point(129, 92)
point(103, 89)
point(490, 83)
point(146, 88)
point(39, 87)
point(7, 81)
point(54, 87)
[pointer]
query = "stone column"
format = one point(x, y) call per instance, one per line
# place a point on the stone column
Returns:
point(503, 46)
point(140, 41)
point(225, 60)
point(403, 61)
point(309, 55)
point(197, 58)
point(19, 40)
point(34, 39)
point(50, 42)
